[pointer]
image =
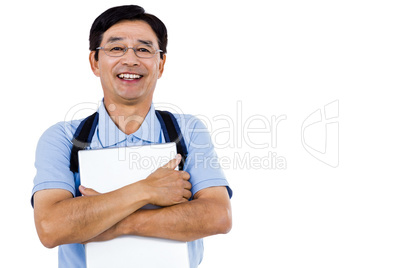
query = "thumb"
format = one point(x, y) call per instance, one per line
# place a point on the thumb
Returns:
point(172, 164)
point(87, 191)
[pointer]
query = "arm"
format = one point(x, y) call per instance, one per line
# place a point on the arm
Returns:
point(61, 219)
point(208, 214)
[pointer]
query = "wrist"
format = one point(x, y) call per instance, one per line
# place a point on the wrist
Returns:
point(145, 192)
point(128, 226)
point(121, 227)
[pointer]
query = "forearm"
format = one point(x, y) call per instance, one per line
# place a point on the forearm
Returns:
point(61, 219)
point(74, 220)
point(184, 222)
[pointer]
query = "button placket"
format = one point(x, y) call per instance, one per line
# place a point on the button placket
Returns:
point(131, 138)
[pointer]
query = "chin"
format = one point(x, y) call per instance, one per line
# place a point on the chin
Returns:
point(135, 98)
point(130, 95)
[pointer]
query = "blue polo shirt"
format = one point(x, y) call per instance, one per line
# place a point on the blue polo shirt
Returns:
point(53, 164)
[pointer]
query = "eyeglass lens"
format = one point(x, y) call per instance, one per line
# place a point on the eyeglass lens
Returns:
point(118, 50)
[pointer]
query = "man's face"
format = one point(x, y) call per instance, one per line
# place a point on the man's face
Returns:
point(119, 75)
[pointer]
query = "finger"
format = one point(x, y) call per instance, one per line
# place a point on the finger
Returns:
point(187, 194)
point(172, 164)
point(185, 175)
point(87, 191)
point(183, 200)
point(187, 185)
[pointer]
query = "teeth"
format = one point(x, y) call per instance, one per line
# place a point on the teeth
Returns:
point(129, 76)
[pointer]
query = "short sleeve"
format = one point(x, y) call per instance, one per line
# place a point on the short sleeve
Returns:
point(52, 160)
point(202, 162)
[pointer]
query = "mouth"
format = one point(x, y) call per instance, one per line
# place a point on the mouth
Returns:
point(129, 76)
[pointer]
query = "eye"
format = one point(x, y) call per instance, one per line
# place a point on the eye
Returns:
point(116, 48)
point(144, 50)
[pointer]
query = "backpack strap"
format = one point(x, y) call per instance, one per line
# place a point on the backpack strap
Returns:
point(82, 138)
point(86, 130)
point(172, 133)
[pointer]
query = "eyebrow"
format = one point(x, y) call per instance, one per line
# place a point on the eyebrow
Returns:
point(145, 42)
point(115, 38)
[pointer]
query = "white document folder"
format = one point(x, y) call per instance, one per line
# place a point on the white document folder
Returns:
point(106, 170)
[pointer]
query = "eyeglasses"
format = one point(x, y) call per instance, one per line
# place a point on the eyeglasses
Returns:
point(144, 51)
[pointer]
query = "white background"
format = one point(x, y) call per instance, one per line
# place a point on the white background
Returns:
point(255, 58)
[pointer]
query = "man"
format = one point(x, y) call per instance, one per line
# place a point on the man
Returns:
point(128, 49)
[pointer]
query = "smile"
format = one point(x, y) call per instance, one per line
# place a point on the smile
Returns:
point(129, 76)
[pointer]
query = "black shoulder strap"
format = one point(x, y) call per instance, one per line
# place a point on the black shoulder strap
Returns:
point(85, 131)
point(82, 138)
point(172, 133)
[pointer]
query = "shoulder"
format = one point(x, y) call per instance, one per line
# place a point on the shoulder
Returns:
point(193, 129)
point(52, 158)
point(196, 136)
point(59, 134)
point(190, 123)
point(202, 162)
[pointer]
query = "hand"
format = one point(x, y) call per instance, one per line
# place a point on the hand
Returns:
point(87, 191)
point(168, 186)
point(110, 233)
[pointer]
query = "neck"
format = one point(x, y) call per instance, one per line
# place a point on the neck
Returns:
point(128, 118)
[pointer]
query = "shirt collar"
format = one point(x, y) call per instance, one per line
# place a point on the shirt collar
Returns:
point(110, 135)
point(150, 129)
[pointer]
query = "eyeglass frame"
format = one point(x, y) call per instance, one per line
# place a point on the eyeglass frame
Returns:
point(133, 48)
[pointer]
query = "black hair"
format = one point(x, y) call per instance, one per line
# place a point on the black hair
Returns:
point(129, 12)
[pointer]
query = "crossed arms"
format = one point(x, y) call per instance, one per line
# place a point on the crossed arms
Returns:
point(62, 219)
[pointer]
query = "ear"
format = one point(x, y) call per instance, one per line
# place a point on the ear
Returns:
point(162, 66)
point(94, 63)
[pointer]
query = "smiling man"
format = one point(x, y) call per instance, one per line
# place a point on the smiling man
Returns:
point(128, 54)
point(128, 77)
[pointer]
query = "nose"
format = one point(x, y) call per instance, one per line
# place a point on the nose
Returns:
point(130, 58)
